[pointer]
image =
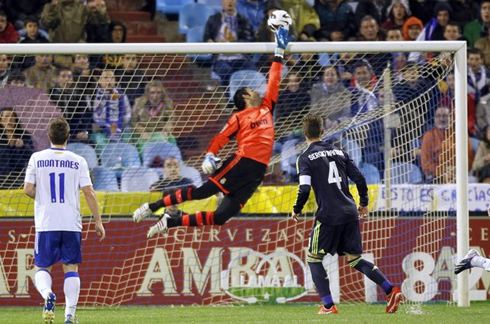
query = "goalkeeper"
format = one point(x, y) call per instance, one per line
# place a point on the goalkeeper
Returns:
point(241, 174)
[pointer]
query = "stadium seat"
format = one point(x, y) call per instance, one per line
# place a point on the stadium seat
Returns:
point(120, 155)
point(85, 150)
point(194, 15)
point(104, 179)
point(171, 6)
point(217, 5)
point(404, 172)
point(371, 173)
point(162, 149)
point(195, 35)
point(191, 174)
point(247, 78)
point(353, 149)
point(138, 179)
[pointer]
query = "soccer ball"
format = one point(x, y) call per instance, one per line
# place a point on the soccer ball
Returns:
point(279, 18)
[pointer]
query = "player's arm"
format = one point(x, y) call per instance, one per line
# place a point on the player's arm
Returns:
point(282, 40)
point(232, 126)
point(93, 205)
point(356, 175)
point(30, 179)
point(304, 188)
point(30, 189)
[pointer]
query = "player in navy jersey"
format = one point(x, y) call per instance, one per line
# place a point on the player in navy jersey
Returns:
point(336, 230)
point(241, 174)
point(54, 178)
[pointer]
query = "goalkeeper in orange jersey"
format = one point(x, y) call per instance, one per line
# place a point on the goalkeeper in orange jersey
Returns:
point(239, 175)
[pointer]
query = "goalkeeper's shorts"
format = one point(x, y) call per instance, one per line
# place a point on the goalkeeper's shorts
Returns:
point(239, 177)
point(341, 239)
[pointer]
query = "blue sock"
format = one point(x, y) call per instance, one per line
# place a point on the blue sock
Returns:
point(320, 278)
point(372, 272)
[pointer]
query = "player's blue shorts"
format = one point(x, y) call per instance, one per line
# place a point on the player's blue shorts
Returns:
point(53, 246)
point(331, 239)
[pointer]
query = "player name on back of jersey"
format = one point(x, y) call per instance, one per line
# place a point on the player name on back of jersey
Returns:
point(52, 163)
point(319, 154)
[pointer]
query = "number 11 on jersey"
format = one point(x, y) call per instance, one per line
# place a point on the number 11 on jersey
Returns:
point(52, 184)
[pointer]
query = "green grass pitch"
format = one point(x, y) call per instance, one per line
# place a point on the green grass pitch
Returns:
point(479, 312)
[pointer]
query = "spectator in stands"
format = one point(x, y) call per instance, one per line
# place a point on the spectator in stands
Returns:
point(8, 34)
point(432, 143)
point(335, 13)
point(399, 59)
point(483, 44)
point(445, 90)
point(394, 34)
point(111, 110)
point(345, 66)
point(19, 10)
point(337, 35)
point(305, 19)
point(478, 27)
point(478, 75)
point(253, 11)
point(171, 176)
point(43, 74)
point(294, 99)
point(483, 113)
point(83, 76)
point(452, 31)
point(32, 36)
point(4, 70)
point(412, 28)
point(130, 78)
point(152, 116)
point(73, 106)
point(363, 76)
point(369, 31)
point(330, 98)
point(398, 12)
point(229, 26)
point(308, 66)
point(446, 167)
point(434, 29)
point(15, 149)
point(374, 8)
point(481, 163)
point(68, 21)
point(98, 28)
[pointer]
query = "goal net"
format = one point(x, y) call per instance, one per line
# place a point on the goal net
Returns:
point(143, 122)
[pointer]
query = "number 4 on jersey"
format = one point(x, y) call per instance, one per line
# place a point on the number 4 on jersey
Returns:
point(333, 174)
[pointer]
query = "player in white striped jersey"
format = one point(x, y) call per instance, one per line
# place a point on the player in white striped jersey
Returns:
point(53, 178)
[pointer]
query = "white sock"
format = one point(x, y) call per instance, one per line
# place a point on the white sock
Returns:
point(43, 282)
point(481, 262)
point(72, 291)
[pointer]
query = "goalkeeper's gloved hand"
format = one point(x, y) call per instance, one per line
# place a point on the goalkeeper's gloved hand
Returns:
point(209, 165)
point(282, 40)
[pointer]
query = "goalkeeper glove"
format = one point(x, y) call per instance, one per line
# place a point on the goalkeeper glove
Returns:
point(282, 40)
point(209, 165)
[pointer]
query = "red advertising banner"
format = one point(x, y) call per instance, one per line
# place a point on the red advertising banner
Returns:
point(247, 260)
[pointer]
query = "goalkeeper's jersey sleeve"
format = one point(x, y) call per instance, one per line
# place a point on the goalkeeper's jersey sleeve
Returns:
point(253, 126)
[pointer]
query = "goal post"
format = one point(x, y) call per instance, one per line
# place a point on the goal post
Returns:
point(223, 273)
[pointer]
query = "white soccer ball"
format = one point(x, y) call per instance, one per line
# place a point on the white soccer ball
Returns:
point(279, 18)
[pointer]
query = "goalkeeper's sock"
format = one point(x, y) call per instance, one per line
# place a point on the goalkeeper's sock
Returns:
point(43, 282)
point(372, 272)
point(197, 219)
point(71, 289)
point(320, 278)
point(175, 198)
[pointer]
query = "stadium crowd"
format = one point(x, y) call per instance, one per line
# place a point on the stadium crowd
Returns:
point(109, 99)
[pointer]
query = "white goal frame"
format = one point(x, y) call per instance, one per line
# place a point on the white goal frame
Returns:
point(460, 66)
